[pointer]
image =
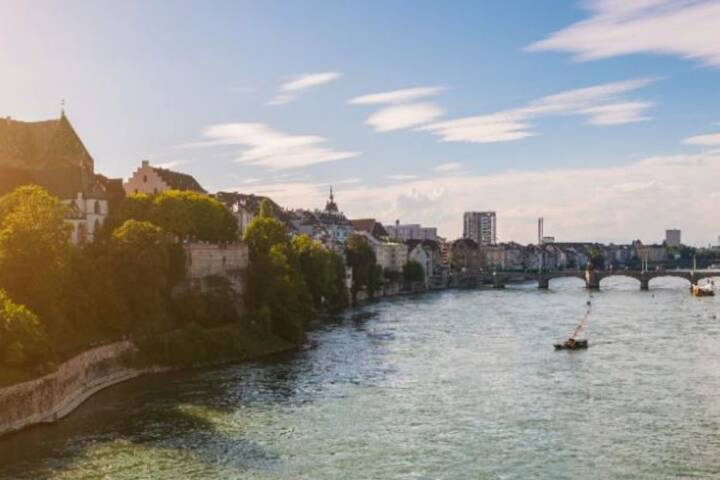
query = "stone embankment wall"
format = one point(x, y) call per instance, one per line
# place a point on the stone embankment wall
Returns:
point(55, 395)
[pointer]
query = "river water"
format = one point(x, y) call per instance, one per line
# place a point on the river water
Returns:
point(450, 385)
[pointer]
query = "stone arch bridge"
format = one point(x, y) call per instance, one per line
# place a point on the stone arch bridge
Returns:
point(592, 278)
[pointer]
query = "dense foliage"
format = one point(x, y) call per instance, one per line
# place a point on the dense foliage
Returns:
point(34, 246)
point(413, 272)
point(57, 298)
point(185, 215)
point(367, 275)
point(23, 340)
point(290, 280)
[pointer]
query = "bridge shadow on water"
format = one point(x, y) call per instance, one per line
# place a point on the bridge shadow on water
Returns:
point(193, 413)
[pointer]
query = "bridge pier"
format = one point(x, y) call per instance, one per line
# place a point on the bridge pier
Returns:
point(543, 282)
point(498, 281)
point(592, 280)
point(644, 283)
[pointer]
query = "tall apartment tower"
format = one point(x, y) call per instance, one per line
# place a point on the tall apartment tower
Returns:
point(481, 227)
point(673, 237)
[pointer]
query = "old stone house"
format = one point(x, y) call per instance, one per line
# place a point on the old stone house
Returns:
point(153, 180)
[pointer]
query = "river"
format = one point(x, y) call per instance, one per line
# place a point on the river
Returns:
point(449, 385)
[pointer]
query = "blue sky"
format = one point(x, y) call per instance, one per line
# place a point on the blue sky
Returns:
point(484, 110)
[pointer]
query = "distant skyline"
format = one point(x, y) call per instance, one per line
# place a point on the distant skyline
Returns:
point(602, 116)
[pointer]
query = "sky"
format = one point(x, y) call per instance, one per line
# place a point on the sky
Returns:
point(602, 116)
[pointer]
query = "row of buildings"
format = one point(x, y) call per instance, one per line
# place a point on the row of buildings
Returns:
point(51, 154)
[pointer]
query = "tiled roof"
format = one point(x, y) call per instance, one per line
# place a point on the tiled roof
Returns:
point(47, 153)
point(179, 181)
point(370, 226)
point(40, 145)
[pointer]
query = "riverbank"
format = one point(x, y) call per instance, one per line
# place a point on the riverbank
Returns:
point(55, 395)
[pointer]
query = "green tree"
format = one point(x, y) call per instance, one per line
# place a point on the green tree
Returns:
point(141, 263)
point(193, 216)
point(34, 248)
point(413, 272)
point(186, 215)
point(323, 271)
point(361, 258)
point(23, 341)
point(277, 294)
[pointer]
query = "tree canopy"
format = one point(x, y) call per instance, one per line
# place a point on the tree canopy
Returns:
point(184, 214)
point(34, 247)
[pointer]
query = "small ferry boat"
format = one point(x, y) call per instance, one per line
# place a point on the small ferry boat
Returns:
point(572, 344)
point(704, 290)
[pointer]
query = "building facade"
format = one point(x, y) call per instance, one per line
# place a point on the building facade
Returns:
point(50, 154)
point(153, 180)
point(480, 227)
point(673, 238)
point(412, 231)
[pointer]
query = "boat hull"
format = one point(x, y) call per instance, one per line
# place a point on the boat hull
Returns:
point(579, 345)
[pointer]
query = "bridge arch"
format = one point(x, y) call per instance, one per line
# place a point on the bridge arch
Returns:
point(670, 281)
point(570, 279)
point(621, 279)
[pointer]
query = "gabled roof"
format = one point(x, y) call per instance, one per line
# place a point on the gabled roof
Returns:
point(179, 181)
point(371, 226)
point(41, 145)
point(50, 154)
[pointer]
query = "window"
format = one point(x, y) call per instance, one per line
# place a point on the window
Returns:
point(98, 211)
point(144, 178)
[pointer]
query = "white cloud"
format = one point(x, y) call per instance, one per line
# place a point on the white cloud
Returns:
point(288, 91)
point(281, 99)
point(308, 80)
point(618, 113)
point(448, 167)
point(402, 176)
point(684, 28)
point(270, 148)
point(710, 139)
point(600, 103)
point(399, 117)
point(397, 96)
point(638, 200)
point(171, 164)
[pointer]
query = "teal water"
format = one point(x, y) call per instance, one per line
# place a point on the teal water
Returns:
point(452, 385)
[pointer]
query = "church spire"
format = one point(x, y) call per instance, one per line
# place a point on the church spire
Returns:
point(331, 206)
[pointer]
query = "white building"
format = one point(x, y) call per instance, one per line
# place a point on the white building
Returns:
point(390, 256)
point(673, 237)
point(411, 231)
point(480, 227)
point(86, 216)
point(153, 180)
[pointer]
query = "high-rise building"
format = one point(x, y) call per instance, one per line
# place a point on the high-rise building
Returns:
point(673, 238)
point(481, 227)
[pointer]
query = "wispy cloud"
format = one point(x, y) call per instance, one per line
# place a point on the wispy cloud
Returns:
point(684, 28)
point(402, 176)
point(400, 117)
point(600, 104)
point(171, 164)
point(396, 96)
point(401, 113)
point(710, 139)
point(648, 195)
point(448, 167)
point(288, 91)
point(271, 148)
